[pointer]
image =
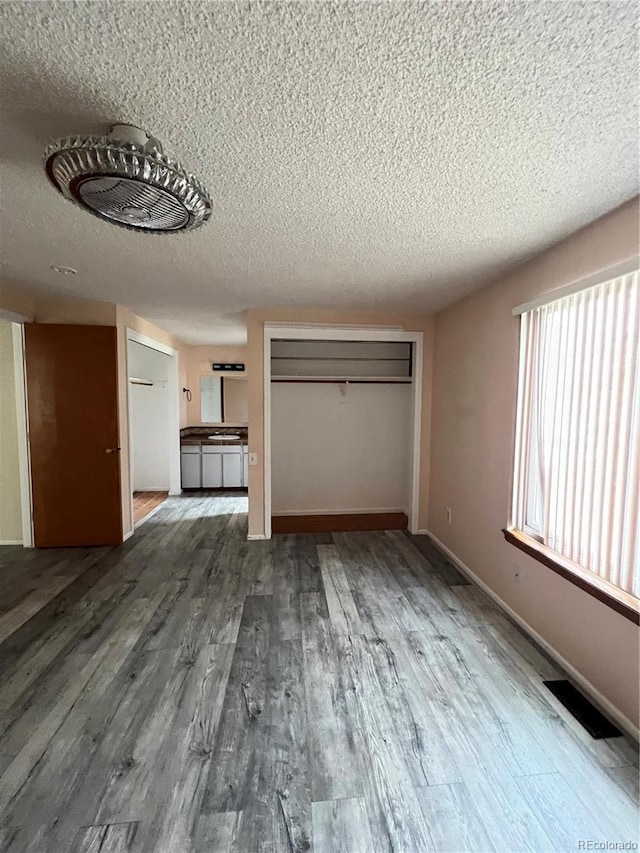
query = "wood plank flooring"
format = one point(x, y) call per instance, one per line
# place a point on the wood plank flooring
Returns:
point(193, 691)
point(146, 502)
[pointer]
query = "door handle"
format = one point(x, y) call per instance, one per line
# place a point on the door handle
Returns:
point(112, 449)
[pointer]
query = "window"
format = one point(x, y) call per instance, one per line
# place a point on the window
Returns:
point(577, 466)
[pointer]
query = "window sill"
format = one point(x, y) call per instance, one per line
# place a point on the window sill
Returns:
point(622, 602)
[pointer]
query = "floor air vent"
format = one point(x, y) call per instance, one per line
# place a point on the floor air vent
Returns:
point(585, 713)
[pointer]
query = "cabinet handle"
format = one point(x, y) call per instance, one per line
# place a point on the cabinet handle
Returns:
point(112, 449)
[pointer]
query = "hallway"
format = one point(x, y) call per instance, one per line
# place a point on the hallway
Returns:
point(193, 691)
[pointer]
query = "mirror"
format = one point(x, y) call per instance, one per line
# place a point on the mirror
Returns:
point(223, 399)
point(210, 399)
point(236, 404)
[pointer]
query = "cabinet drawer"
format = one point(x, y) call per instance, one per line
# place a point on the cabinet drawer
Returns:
point(189, 448)
point(222, 448)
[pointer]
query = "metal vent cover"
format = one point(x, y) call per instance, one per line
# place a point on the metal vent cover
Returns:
point(125, 178)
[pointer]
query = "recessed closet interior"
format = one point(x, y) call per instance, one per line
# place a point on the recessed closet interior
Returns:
point(341, 431)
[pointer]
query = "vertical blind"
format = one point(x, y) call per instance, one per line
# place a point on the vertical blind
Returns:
point(577, 471)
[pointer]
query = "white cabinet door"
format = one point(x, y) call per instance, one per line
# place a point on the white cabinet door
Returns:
point(231, 470)
point(212, 470)
point(245, 469)
point(191, 478)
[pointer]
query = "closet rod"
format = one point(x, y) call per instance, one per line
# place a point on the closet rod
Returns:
point(402, 381)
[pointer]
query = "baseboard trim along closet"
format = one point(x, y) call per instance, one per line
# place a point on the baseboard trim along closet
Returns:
point(594, 694)
point(386, 510)
point(339, 522)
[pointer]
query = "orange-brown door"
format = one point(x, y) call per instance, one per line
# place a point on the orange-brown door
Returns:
point(72, 400)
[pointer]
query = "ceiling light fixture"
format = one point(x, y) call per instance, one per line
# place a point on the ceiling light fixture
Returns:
point(63, 270)
point(126, 179)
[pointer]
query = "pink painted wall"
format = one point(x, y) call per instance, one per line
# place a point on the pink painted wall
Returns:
point(475, 368)
point(198, 361)
point(72, 311)
point(255, 373)
point(15, 302)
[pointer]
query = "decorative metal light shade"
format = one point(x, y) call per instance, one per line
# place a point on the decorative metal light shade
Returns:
point(125, 178)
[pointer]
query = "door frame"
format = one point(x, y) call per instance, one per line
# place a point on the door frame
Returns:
point(173, 388)
point(22, 422)
point(347, 333)
point(24, 459)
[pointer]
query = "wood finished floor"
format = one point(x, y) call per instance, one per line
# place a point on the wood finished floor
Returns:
point(146, 502)
point(192, 691)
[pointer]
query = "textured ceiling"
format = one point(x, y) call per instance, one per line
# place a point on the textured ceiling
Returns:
point(392, 155)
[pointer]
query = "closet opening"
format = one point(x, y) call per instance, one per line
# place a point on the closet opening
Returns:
point(343, 430)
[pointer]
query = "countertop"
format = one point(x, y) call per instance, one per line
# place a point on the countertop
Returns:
point(200, 436)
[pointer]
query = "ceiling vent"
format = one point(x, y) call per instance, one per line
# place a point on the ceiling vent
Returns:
point(125, 178)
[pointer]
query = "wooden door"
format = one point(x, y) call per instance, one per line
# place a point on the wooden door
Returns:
point(72, 401)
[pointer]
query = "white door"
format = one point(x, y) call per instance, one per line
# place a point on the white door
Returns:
point(231, 470)
point(191, 478)
point(211, 470)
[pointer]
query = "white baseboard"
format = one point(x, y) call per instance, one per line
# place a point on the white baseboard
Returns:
point(10, 541)
point(368, 511)
point(255, 536)
point(598, 698)
point(175, 493)
point(128, 535)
